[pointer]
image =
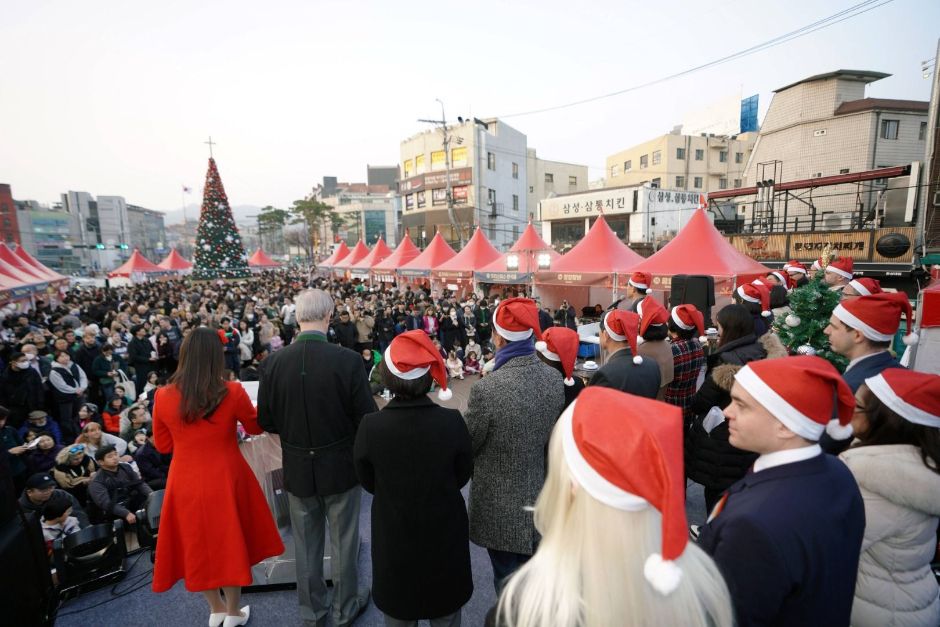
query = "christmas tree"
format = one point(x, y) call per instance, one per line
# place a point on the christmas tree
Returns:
point(219, 251)
point(802, 330)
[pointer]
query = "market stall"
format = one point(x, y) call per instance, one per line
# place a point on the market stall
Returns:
point(384, 271)
point(456, 274)
point(357, 254)
point(518, 266)
point(174, 262)
point(379, 253)
point(418, 270)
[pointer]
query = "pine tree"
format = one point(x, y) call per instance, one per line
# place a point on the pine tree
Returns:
point(812, 306)
point(219, 251)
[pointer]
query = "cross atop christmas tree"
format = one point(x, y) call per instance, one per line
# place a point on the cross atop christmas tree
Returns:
point(219, 250)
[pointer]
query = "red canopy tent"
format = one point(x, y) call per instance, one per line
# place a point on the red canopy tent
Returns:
point(930, 306)
point(24, 272)
point(175, 262)
point(700, 249)
point(261, 260)
point(477, 253)
point(357, 254)
point(600, 256)
point(384, 270)
point(437, 252)
point(341, 251)
point(521, 262)
point(32, 262)
point(137, 264)
point(378, 253)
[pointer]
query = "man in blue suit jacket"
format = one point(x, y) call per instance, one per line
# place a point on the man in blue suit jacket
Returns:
point(787, 536)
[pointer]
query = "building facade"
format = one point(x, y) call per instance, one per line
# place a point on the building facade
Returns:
point(47, 233)
point(383, 175)
point(690, 163)
point(366, 211)
point(495, 181)
point(147, 232)
point(9, 229)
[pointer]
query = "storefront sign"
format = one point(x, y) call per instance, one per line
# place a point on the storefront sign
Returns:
point(587, 204)
point(384, 278)
point(415, 273)
point(857, 245)
point(502, 277)
point(460, 176)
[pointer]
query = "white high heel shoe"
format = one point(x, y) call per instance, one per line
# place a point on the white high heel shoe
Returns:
point(216, 619)
point(235, 621)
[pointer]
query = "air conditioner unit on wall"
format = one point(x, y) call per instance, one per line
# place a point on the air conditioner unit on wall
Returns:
point(833, 222)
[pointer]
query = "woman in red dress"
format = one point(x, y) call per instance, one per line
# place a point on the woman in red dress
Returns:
point(215, 523)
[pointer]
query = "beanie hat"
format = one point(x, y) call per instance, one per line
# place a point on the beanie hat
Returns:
point(794, 266)
point(841, 266)
point(561, 344)
point(688, 317)
point(912, 395)
point(517, 319)
point(641, 280)
point(865, 286)
point(604, 432)
point(411, 355)
point(623, 326)
point(804, 393)
point(651, 312)
point(878, 316)
point(756, 293)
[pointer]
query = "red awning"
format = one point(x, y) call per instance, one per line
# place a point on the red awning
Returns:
point(136, 264)
point(530, 240)
point(598, 255)
point(341, 251)
point(175, 261)
point(477, 253)
point(700, 249)
point(24, 272)
point(437, 252)
point(261, 260)
point(359, 252)
point(33, 262)
point(378, 253)
point(404, 253)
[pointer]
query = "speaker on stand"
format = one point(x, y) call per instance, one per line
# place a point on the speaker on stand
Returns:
point(694, 289)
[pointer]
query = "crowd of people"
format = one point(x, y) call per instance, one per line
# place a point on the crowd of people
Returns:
point(822, 489)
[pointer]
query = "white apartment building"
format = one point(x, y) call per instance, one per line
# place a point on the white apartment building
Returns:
point(495, 179)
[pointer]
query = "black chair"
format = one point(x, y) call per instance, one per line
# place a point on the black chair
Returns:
point(90, 558)
point(148, 521)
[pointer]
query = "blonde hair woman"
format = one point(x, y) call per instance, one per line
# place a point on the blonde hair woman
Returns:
point(614, 547)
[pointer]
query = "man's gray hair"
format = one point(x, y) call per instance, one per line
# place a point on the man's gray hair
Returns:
point(313, 305)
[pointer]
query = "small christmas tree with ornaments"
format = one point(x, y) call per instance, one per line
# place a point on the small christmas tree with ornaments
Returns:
point(219, 253)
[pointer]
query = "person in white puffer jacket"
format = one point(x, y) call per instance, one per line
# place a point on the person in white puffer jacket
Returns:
point(895, 462)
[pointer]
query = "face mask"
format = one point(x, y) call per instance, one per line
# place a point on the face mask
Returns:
point(21, 365)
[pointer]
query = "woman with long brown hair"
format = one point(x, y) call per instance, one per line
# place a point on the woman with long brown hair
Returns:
point(215, 523)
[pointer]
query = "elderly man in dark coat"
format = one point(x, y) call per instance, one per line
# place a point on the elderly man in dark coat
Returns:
point(415, 456)
point(625, 369)
point(510, 416)
point(314, 394)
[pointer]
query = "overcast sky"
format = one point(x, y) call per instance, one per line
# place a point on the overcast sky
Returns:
point(117, 98)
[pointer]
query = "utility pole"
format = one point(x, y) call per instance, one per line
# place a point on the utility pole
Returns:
point(451, 213)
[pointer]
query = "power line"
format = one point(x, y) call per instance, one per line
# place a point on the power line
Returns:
point(836, 18)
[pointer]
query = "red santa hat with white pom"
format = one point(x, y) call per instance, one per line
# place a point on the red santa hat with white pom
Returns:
point(561, 344)
point(756, 293)
point(604, 432)
point(651, 312)
point(878, 316)
point(411, 355)
point(804, 393)
point(841, 266)
point(866, 286)
point(517, 319)
point(914, 396)
point(688, 317)
point(623, 326)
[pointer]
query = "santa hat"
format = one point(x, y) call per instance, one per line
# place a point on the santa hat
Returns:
point(688, 317)
point(817, 265)
point(841, 266)
point(641, 280)
point(804, 393)
point(912, 395)
point(756, 293)
point(865, 286)
point(411, 355)
point(795, 266)
point(561, 344)
point(651, 312)
point(517, 319)
point(785, 279)
point(878, 316)
point(623, 326)
point(604, 432)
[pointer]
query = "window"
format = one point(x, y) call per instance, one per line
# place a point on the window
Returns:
point(458, 157)
point(889, 129)
point(572, 181)
point(491, 198)
point(490, 161)
point(723, 156)
point(409, 202)
point(680, 153)
point(515, 231)
point(419, 164)
point(515, 202)
point(699, 154)
point(531, 189)
point(408, 168)
point(680, 182)
point(697, 182)
point(739, 157)
point(844, 171)
point(722, 183)
point(515, 170)
point(657, 157)
point(438, 160)
point(439, 197)
point(628, 165)
point(422, 199)
point(549, 177)
point(737, 183)
point(644, 161)
point(615, 170)
point(922, 135)
point(655, 182)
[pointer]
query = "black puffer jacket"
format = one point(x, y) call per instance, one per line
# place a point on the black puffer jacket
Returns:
point(709, 459)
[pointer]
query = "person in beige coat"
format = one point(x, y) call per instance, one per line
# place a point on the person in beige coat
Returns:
point(894, 461)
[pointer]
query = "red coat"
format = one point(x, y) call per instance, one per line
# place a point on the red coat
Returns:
point(215, 522)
